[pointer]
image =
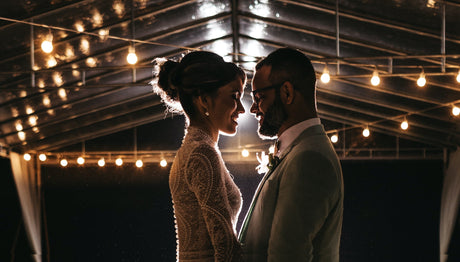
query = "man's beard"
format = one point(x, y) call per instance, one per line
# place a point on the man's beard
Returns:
point(273, 119)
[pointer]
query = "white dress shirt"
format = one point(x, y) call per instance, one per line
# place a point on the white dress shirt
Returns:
point(290, 134)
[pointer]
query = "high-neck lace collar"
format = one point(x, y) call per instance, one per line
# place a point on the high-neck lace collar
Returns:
point(198, 134)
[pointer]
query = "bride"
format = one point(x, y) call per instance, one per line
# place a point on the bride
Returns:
point(206, 201)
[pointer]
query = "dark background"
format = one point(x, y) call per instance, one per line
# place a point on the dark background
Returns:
point(124, 213)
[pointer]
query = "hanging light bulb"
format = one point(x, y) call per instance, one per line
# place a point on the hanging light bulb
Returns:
point(47, 44)
point(163, 163)
point(132, 57)
point(455, 110)
point(245, 153)
point(139, 163)
point(404, 124)
point(366, 132)
point(80, 160)
point(64, 162)
point(119, 161)
point(334, 138)
point(42, 157)
point(101, 162)
point(27, 157)
point(375, 80)
point(421, 81)
point(325, 77)
point(458, 76)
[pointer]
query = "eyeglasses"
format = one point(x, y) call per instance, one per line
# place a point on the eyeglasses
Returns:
point(255, 92)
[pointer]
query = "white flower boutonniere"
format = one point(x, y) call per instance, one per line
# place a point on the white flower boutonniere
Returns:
point(266, 162)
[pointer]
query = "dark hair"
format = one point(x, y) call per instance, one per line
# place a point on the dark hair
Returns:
point(198, 73)
point(291, 65)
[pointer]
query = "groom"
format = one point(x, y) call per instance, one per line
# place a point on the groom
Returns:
point(296, 212)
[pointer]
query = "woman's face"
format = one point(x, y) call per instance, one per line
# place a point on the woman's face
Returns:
point(226, 107)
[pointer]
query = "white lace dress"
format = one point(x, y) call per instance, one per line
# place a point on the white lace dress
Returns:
point(206, 201)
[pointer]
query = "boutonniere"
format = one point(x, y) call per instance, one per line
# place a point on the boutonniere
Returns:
point(267, 162)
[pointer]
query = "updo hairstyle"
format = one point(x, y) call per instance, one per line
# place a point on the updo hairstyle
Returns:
point(198, 73)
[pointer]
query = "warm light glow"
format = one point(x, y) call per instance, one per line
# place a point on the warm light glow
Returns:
point(101, 162)
point(91, 62)
point(366, 132)
point(27, 157)
point(84, 46)
point(42, 157)
point(103, 34)
point(47, 44)
point(131, 57)
point(375, 80)
point(334, 138)
point(97, 18)
point(455, 111)
point(271, 150)
point(57, 78)
point(163, 163)
point(46, 101)
point(257, 30)
point(41, 83)
point(404, 125)
point(325, 77)
point(51, 62)
point(458, 76)
point(79, 26)
point(22, 135)
point(64, 162)
point(139, 163)
point(62, 93)
point(119, 161)
point(80, 160)
point(245, 153)
point(19, 126)
point(33, 120)
point(119, 8)
point(421, 81)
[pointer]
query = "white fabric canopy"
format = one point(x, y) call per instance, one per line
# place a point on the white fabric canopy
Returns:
point(449, 203)
point(27, 179)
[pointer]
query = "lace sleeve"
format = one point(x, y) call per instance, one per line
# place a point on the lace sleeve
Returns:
point(205, 179)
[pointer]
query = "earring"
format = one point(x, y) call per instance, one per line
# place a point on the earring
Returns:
point(206, 113)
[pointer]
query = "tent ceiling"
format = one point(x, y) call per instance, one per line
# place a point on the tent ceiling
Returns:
point(85, 89)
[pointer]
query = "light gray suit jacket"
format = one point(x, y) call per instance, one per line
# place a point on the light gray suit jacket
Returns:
point(296, 212)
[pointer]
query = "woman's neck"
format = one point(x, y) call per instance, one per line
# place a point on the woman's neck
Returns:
point(207, 128)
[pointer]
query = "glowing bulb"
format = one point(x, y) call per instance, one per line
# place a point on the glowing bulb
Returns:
point(421, 81)
point(47, 44)
point(404, 125)
point(33, 120)
point(19, 127)
point(139, 163)
point(132, 57)
point(42, 157)
point(375, 80)
point(325, 77)
point(80, 160)
point(245, 153)
point(64, 162)
point(458, 76)
point(101, 162)
point(27, 157)
point(366, 132)
point(163, 163)
point(334, 138)
point(455, 111)
point(22, 135)
point(119, 162)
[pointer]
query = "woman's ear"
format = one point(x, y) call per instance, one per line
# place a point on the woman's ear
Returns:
point(203, 104)
point(287, 93)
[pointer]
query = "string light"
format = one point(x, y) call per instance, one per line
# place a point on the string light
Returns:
point(458, 76)
point(455, 110)
point(404, 124)
point(80, 160)
point(42, 157)
point(366, 132)
point(47, 44)
point(245, 153)
point(139, 163)
point(119, 161)
point(101, 162)
point(325, 77)
point(334, 138)
point(375, 80)
point(131, 57)
point(64, 162)
point(27, 157)
point(421, 81)
point(163, 163)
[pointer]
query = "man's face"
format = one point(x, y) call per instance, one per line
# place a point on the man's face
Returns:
point(267, 104)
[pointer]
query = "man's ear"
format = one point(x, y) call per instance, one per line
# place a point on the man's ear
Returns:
point(287, 93)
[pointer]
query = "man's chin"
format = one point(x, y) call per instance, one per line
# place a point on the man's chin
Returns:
point(263, 134)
